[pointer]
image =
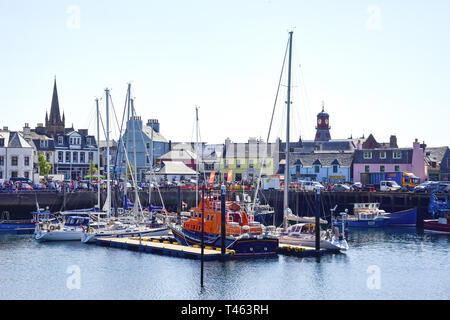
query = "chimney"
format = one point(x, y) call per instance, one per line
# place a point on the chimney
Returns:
point(26, 132)
point(359, 145)
point(416, 144)
point(5, 128)
point(393, 141)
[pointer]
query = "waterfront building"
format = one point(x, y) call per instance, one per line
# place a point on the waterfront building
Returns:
point(434, 159)
point(329, 167)
point(445, 166)
point(16, 156)
point(245, 160)
point(181, 154)
point(389, 160)
point(112, 155)
point(146, 141)
point(172, 171)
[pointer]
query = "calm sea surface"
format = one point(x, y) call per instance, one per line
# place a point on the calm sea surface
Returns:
point(381, 264)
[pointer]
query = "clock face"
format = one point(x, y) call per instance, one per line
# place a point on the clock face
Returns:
point(319, 121)
point(326, 121)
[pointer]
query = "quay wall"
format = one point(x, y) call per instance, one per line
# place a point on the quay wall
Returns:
point(20, 204)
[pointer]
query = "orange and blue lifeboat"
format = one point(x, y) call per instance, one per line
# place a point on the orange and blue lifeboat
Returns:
point(243, 235)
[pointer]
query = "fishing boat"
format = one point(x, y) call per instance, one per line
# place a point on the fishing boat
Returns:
point(263, 213)
point(369, 215)
point(243, 235)
point(440, 210)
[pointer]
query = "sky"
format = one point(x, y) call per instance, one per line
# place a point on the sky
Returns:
point(379, 67)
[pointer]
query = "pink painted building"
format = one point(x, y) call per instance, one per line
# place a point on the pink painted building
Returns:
point(409, 160)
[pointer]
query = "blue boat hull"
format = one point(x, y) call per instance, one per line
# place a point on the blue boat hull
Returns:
point(24, 228)
point(242, 247)
point(406, 218)
point(377, 223)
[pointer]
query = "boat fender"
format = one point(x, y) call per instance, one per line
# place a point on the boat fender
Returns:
point(91, 230)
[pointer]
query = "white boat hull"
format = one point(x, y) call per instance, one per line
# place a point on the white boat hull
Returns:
point(58, 235)
point(336, 245)
point(92, 237)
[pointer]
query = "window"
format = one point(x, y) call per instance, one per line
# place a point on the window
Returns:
point(264, 163)
point(88, 141)
point(60, 156)
point(91, 156)
point(381, 168)
point(14, 160)
point(26, 161)
point(367, 169)
point(250, 164)
point(47, 156)
point(81, 157)
point(397, 168)
point(397, 155)
point(44, 143)
point(14, 174)
point(26, 175)
point(1, 174)
point(60, 139)
point(367, 155)
point(75, 157)
point(316, 169)
point(297, 169)
point(2, 142)
point(238, 163)
point(2, 161)
point(335, 169)
point(225, 163)
point(382, 154)
point(148, 145)
point(67, 156)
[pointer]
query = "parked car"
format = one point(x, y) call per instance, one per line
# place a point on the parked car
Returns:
point(427, 186)
point(340, 187)
point(311, 185)
point(357, 186)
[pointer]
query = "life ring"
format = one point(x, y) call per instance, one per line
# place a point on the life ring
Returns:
point(52, 228)
point(91, 230)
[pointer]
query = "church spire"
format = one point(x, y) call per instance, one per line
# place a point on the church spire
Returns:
point(55, 117)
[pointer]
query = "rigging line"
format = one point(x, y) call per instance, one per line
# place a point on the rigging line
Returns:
point(152, 172)
point(271, 122)
point(126, 155)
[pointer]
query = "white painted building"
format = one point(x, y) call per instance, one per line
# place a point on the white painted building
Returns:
point(16, 156)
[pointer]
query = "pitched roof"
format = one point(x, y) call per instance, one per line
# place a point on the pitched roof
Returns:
point(179, 155)
point(157, 137)
point(13, 139)
point(325, 159)
point(174, 168)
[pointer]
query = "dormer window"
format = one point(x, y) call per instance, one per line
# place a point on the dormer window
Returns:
point(60, 140)
point(44, 143)
point(88, 141)
point(382, 154)
point(368, 155)
point(397, 155)
point(75, 140)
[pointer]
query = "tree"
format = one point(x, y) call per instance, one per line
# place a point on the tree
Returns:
point(128, 171)
point(44, 166)
point(92, 169)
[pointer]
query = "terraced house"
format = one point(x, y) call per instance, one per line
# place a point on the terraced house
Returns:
point(245, 161)
point(16, 156)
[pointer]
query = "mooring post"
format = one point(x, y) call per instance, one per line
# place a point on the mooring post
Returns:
point(223, 218)
point(202, 246)
point(318, 221)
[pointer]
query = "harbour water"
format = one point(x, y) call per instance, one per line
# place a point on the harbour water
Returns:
point(381, 264)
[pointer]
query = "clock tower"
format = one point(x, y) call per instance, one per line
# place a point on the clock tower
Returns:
point(323, 126)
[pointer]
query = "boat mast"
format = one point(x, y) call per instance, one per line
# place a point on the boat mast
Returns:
point(108, 173)
point(286, 166)
point(196, 152)
point(125, 187)
point(98, 156)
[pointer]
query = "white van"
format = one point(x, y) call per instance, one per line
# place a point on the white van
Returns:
point(311, 185)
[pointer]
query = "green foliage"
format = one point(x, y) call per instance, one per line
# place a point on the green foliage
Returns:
point(44, 166)
point(92, 169)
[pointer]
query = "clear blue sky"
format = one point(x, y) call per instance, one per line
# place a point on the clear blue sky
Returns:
point(382, 67)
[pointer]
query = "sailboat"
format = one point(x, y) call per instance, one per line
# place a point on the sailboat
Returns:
point(126, 225)
point(302, 233)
